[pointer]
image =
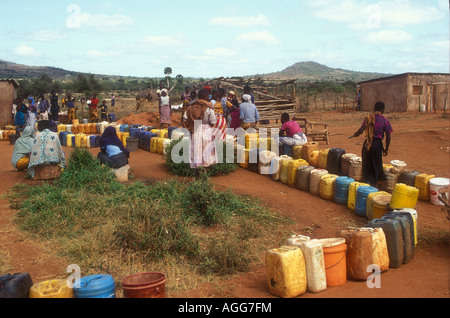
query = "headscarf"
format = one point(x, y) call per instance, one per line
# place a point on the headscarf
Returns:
point(247, 98)
point(46, 150)
point(54, 126)
point(23, 145)
point(32, 104)
point(369, 124)
point(109, 137)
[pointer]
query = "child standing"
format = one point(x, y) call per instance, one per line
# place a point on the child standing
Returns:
point(104, 111)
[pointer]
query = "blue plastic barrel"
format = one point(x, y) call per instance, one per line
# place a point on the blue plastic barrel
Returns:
point(170, 130)
point(361, 198)
point(133, 132)
point(92, 141)
point(73, 141)
point(97, 141)
point(62, 138)
point(112, 117)
point(95, 286)
point(147, 143)
point(341, 189)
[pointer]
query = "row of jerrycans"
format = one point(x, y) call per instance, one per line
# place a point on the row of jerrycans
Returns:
point(301, 264)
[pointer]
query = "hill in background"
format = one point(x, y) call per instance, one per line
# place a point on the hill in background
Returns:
point(302, 71)
point(312, 71)
point(18, 71)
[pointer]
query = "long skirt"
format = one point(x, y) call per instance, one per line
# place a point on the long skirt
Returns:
point(372, 162)
point(71, 114)
point(221, 125)
point(31, 119)
point(203, 148)
point(93, 115)
point(165, 115)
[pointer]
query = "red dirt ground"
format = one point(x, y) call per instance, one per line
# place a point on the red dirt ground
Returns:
point(421, 140)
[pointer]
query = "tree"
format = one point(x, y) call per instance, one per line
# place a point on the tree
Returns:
point(86, 84)
point(168, 72)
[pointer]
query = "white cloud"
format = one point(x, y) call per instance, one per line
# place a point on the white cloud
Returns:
point(389, 37)
point(24, 50)
point(260, 20)
point(388, 13)
point(259, 36)
point(162, 40)
point(105, 22)
point(101, 54)
point(45, 36)
point(220, 52)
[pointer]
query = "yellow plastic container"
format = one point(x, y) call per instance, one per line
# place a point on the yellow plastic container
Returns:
point(251, 141)
point(265, 143)
point(75, 129)
point(61, 128)
point(422, 182)
point(82, 128)
point(292, 171)
point(69, 140)
point(380, 205)
point(313, 158)
point(84, 141)
point(160, 145)
point(124, 137)
point(153, 144)
point(308, 148)
point(78, 140)
point(245, 158)
point(56, 288)
point(276, 176)
point(156, 131)
point(404, 196)
point(284, 171)
point(326, 186)
point(352, 193)
point(286, 271)
point(297, 152)
point(163, 133)
point(370, 203)
point(323, 158)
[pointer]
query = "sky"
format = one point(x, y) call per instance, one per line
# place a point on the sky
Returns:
point(226, 38)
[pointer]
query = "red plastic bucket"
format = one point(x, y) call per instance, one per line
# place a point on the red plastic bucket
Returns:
point(144, 285)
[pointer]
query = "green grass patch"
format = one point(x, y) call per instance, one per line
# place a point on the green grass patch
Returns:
point(184, 169)
point(182, 227)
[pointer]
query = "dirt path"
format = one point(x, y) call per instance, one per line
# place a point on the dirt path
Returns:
point(422, 142)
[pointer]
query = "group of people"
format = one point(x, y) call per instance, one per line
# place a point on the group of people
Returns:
point(29, 112)
point(32, 149)
point(43, 147)
point(212, 108)
point(94, 107)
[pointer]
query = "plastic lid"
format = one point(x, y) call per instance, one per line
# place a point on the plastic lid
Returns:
point(330, 242)
point(440, 181)
point(398, 163)
point(382, 199)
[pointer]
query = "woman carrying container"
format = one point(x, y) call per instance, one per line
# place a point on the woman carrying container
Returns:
point(112, 153)
point(375, 126)
point(203, 152)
